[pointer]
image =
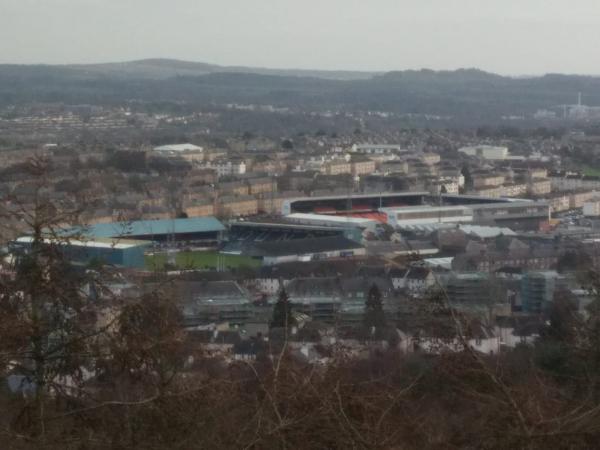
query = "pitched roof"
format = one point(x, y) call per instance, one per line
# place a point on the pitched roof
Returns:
point(178, 148)
point(211, 292)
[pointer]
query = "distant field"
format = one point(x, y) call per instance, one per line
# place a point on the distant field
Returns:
point(200, 260)
point(591, 171)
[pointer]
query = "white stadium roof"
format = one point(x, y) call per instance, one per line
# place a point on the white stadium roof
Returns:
point(119, 244)
point(480, 231)
point(178, 148)
point(331, 219)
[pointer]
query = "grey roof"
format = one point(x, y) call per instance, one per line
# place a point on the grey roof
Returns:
point(363, 284)
point(303, 246)
point(310, 287)
point(484, 232)
point(211, 292)
point(308, 269)
point(178, 148)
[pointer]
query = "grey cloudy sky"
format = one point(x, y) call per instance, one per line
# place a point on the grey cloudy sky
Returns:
point(504, 36)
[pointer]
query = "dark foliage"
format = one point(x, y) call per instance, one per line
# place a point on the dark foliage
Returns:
point(282, 312)
point(374, 318)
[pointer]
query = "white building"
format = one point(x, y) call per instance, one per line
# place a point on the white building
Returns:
point(591, 208)
point(228, 167)
point(377, 149)
point(333, 221)
point(486, 152)
point(268, 285)
point(418, 215)
point(451, 185)
point(487, 343)
point(416, 280)
point(544, 114)
point(570, 182)
point(189, 152)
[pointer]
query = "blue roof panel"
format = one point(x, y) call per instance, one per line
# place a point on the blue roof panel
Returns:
point(155, 227)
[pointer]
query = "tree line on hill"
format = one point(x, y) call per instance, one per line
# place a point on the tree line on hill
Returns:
point(470, 96)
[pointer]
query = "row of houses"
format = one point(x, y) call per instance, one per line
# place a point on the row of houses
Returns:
point(565, 200)
point(535, 187)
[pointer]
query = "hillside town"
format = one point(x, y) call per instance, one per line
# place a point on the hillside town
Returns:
point(495, 228)
point(285, 225)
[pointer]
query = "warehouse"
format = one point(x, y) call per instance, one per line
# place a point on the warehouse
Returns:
point(191, 231)
point(188, 152)
point(354, 203)
point(358, 204)
point(427, 214)
point(213, 302)
point(413, 208)
point(121, 252)
point(313, 249)
point(333, 221)
point(282, 230)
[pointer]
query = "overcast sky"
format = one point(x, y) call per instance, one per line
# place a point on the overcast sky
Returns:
point(503, 36)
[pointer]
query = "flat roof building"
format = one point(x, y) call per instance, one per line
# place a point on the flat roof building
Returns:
point(213, 302)
point(377, 149)
point(513, 213)
point(312, 249)
point(188, 152)
point(267, 230)
point(486, 152)
point(538, 289)
point(189, 229)
point(335, 221)
point(116, 252)
point(427, 214)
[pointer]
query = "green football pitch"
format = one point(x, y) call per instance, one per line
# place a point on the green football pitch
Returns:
point(591, 171)
point(200, 260)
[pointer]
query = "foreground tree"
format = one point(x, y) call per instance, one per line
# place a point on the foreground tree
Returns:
point(282, 312)
point(47, 333)
point(148, 342)
point(62, 330)
point(374, 317)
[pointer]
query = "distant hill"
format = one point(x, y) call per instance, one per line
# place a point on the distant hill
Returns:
point(166, 68)
point(469, 95)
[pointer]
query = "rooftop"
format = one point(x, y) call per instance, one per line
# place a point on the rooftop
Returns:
point(303, 246)
point(341, 220)
point(412, 209)
point(153, 227)
point(178, 148)
point(120, 244)
point(485, 232)
point(211, 292)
